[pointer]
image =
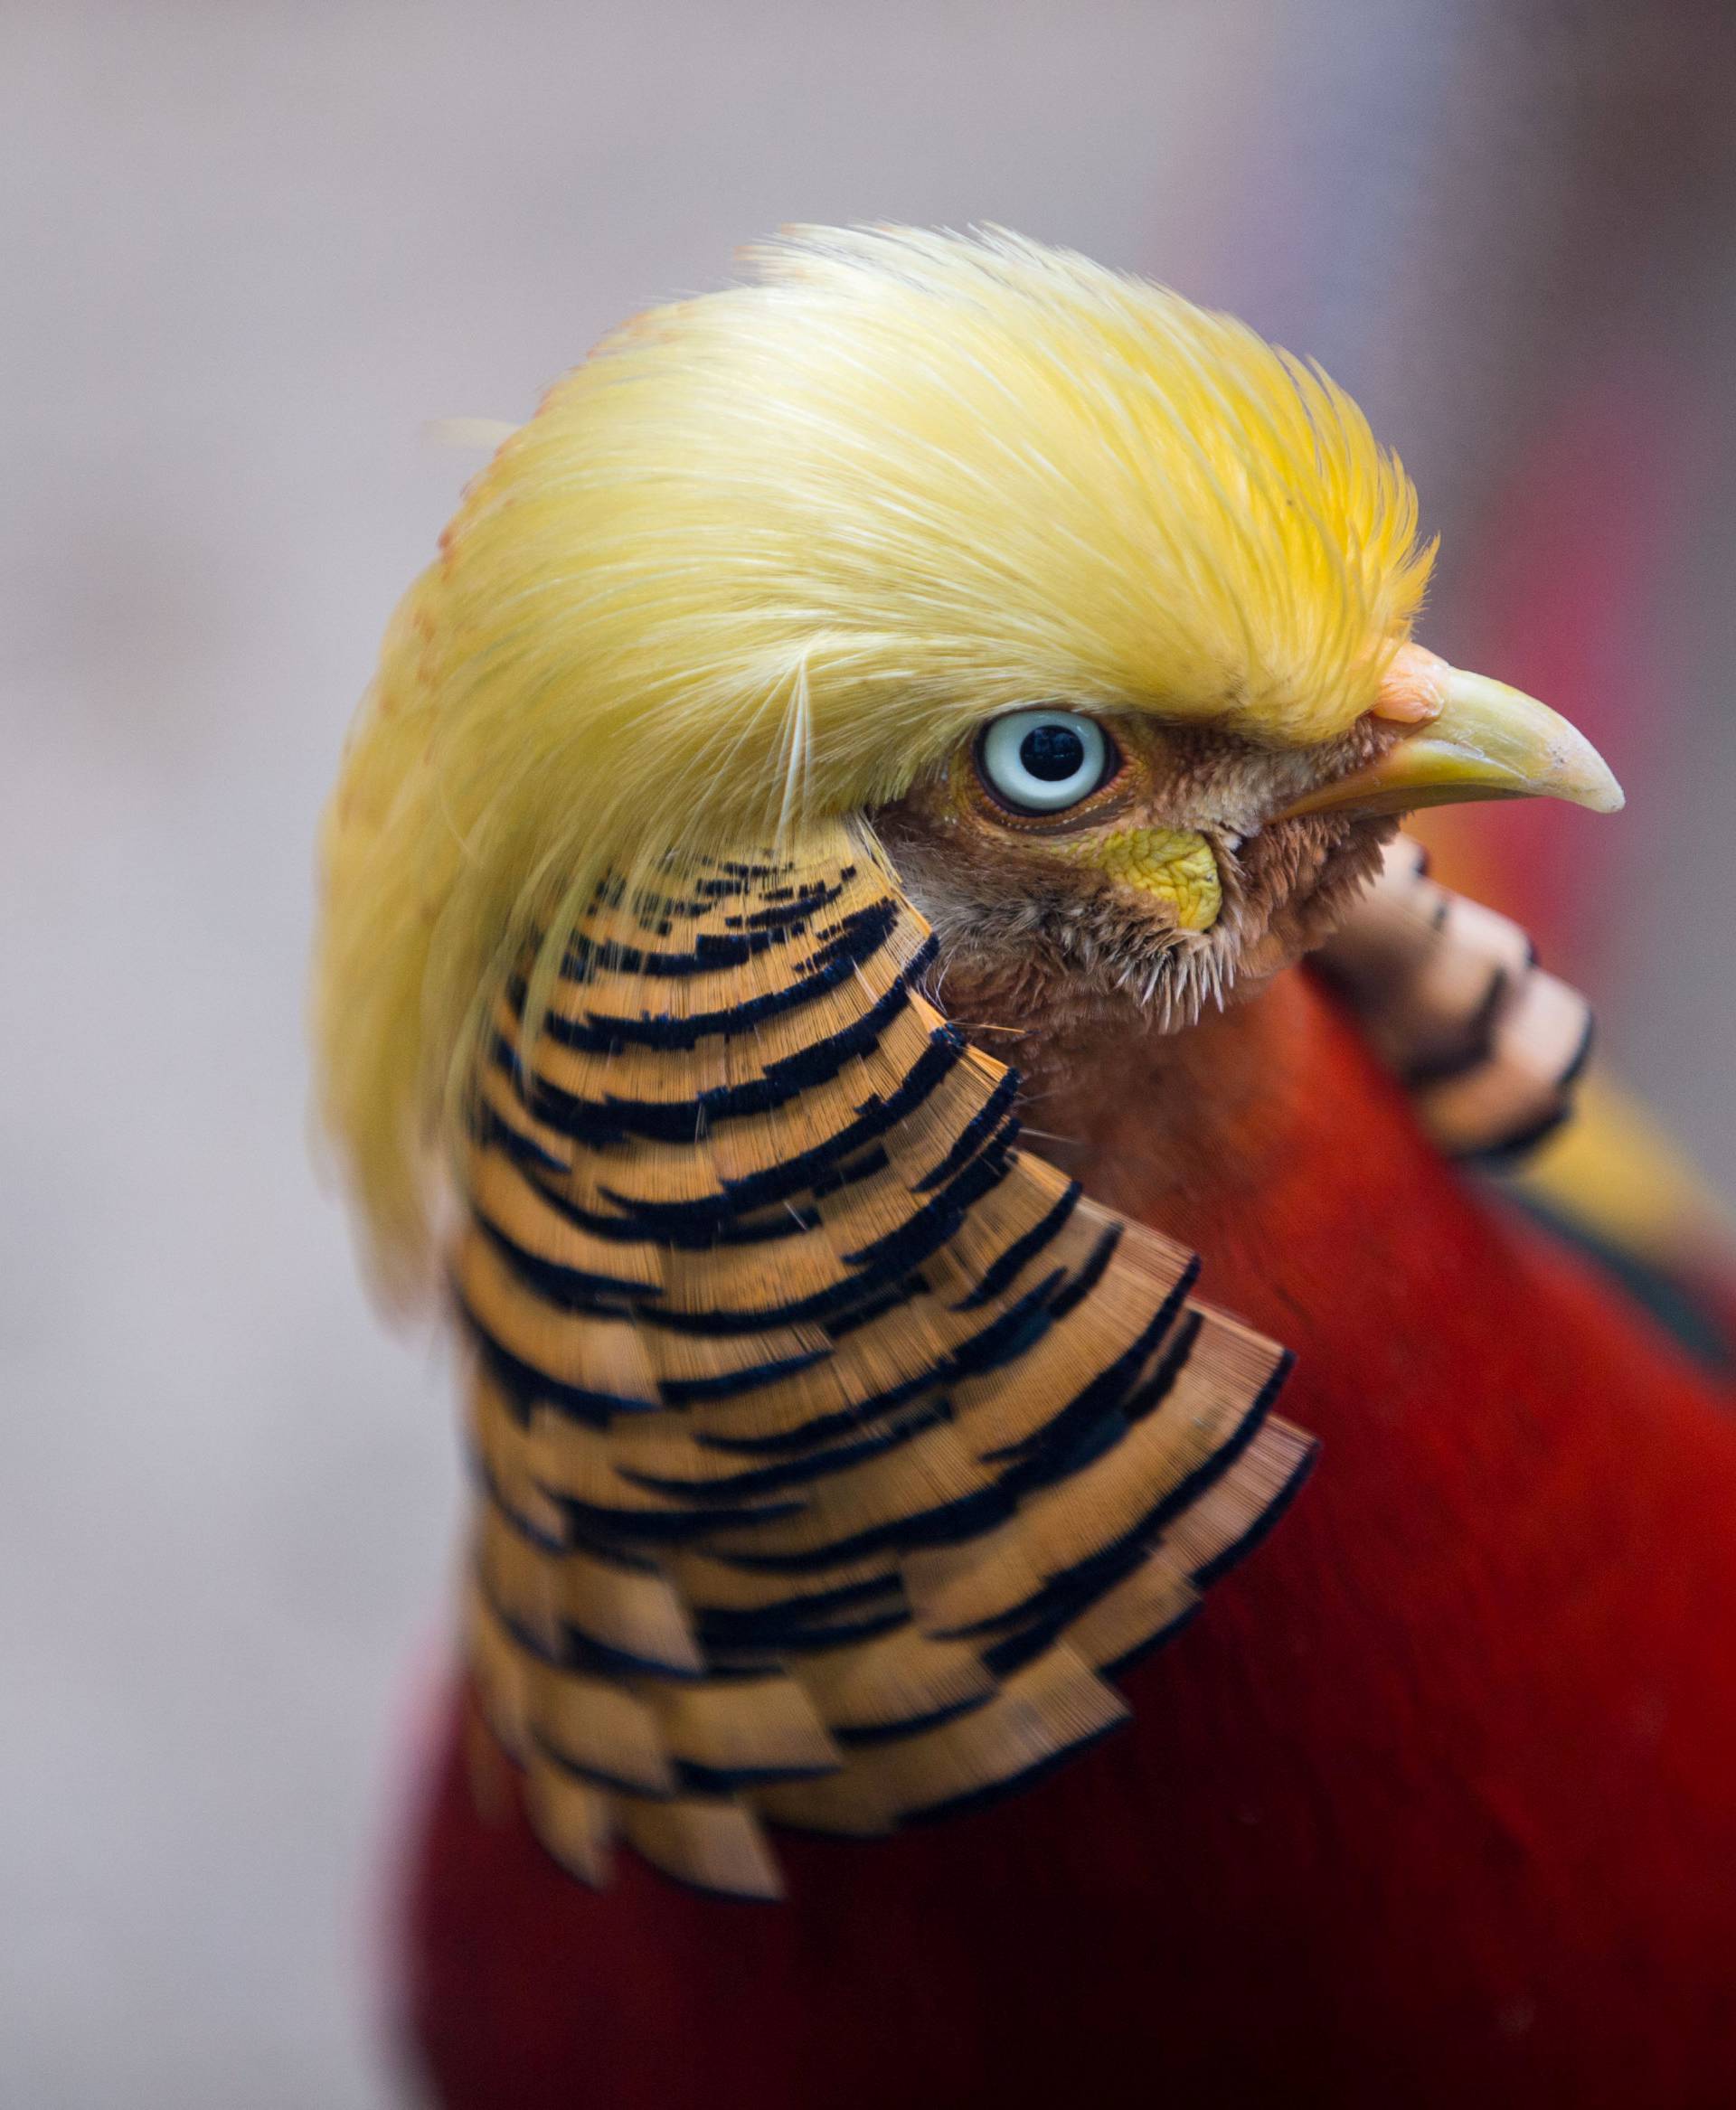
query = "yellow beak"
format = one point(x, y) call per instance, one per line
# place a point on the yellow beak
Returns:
point(1485, 741)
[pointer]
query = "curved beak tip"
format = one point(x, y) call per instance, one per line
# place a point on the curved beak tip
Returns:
point(1598, 790)
point(1549, 759)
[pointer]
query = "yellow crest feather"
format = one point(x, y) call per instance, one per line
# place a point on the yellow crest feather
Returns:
point(771, 553)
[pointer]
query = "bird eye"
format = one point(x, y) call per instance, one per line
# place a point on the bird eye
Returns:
point(1040, 761)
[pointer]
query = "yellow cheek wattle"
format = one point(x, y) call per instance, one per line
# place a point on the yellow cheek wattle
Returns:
point(1174, 864)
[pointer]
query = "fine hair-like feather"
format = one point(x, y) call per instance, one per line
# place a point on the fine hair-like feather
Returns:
point(770, 554)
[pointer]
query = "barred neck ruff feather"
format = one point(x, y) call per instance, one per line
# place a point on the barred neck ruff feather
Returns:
point(773, 556)
point(834, 1454)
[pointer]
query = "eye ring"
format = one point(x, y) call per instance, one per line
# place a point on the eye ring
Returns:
point(1044, 761)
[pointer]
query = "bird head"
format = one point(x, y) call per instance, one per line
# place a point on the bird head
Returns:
point(1094, 605)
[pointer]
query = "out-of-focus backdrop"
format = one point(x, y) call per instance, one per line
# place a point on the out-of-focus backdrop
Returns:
point(250, 252)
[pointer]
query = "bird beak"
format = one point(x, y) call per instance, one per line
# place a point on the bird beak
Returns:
point(1478, 740)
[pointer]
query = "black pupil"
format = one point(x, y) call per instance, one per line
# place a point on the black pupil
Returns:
point(1052, 753)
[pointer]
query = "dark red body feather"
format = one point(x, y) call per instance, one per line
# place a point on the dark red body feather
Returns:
point(1436, 1805)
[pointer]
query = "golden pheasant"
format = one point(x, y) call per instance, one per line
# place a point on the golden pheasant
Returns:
point(809, 910)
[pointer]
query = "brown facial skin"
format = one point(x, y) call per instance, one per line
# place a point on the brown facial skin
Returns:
point(1038, 949)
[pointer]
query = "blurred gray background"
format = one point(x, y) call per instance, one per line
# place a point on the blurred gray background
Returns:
point(249, 251)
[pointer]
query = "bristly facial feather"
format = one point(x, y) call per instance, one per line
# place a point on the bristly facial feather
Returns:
point(1034, 943)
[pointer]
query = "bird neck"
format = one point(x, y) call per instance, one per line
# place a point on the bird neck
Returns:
point(1175, 1128)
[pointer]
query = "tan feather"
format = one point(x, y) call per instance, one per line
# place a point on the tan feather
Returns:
point(714, 1842)
point(750, 1727)
point(573, 1820)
